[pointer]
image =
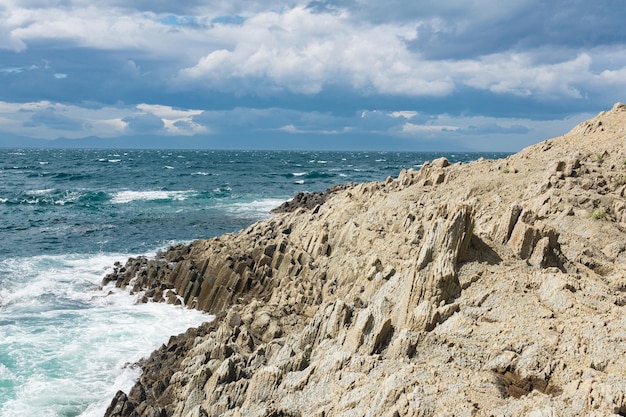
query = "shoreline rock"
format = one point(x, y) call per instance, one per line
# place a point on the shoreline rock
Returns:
point(309, 201)
point(489, 288)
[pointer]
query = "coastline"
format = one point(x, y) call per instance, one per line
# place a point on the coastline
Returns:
point(488, 287)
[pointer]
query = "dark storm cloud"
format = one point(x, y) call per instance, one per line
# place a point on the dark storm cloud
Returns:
point(146, 123)
point(53, 120)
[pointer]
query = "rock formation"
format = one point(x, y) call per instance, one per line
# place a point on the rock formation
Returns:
point(489, 288)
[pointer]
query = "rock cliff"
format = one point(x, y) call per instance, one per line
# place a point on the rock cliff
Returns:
point(489, 288)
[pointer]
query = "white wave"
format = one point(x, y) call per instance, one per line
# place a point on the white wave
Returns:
point(168, 167)
point(53, 275)
point(221, 190)
point(201, 173)
point(258, 208)
point(299, 182)
point(70, 342)
point(122, 197)
point(114, 160)
point(5, 373)
point(40, 192)
point(299, 174)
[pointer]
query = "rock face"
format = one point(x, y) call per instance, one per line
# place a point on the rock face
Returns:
point(489, 288)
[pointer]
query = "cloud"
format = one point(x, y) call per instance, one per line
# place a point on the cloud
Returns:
point(303, 52)
point(317, 67)
point(516, 73)
point(175, 121)
point(237, 127)
point(51, 119)
point(145, 123)
point(257, 49)
point(424, 129)
point(306, 51)
point(494, 128)
point(44, 119)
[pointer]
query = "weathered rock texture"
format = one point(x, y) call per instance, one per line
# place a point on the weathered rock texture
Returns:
point(490, 288)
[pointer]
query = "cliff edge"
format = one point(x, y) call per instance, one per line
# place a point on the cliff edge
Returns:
point(489, 288)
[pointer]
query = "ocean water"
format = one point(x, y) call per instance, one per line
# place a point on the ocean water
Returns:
point(66, 346)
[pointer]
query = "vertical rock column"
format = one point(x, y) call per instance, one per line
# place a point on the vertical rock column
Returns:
point(436, 283)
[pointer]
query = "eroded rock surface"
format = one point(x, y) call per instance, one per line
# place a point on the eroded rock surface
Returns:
point(490, 288)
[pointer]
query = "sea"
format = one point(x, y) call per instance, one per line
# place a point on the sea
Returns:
point(67, 215)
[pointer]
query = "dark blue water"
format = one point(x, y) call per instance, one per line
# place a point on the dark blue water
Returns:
point(67, 215)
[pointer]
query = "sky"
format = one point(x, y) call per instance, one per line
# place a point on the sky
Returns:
point(481, 75)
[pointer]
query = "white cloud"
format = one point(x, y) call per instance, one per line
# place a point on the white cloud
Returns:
point(517, 74)
point(175, 121)
point(21, 118)
point(168, 112)
point(614, 76)
point(303, 52)
point(404, 114)
point(279, 47)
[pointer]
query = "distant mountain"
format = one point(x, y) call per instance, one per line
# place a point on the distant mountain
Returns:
point(14, 141)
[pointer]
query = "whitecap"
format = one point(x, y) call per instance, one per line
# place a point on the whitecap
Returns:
point(258, 208)
point(114, 160)
point(299, 174)
point(221, 190)
point(122, 197)
point(201, 173)
point(40, 192)
point(299, 182)
point(168, 167)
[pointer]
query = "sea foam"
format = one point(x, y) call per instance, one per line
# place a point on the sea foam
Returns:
point(123, 197)
point(256, 208)
point(66, 346)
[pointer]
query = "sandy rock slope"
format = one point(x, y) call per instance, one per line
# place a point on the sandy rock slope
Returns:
point(490, 288)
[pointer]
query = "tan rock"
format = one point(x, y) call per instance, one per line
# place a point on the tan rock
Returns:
point(488, 288)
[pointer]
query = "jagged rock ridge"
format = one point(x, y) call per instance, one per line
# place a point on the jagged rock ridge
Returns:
point(490, 288)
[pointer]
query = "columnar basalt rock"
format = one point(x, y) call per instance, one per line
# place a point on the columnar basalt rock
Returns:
point(489, 288)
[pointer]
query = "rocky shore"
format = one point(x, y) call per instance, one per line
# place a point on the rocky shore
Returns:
point(495, 288)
